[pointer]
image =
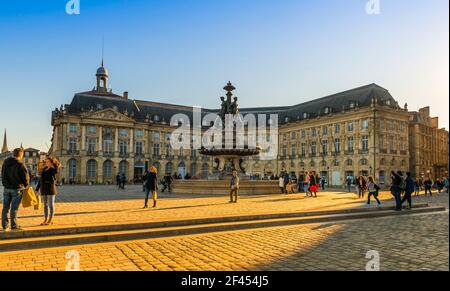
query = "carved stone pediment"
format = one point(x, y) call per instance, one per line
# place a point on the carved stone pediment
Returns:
point(109, 114)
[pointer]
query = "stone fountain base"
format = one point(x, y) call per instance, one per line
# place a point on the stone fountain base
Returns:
point(222, 187)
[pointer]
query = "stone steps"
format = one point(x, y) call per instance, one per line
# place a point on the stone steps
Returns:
point(47, 238)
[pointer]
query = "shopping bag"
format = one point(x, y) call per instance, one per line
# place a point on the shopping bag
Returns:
point(28, 198)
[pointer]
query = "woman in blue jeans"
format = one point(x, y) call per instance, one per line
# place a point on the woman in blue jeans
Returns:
point(47, 188)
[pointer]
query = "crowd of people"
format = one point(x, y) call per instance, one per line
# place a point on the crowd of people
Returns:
point(16, 182)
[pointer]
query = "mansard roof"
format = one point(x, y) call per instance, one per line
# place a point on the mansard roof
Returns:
point(141, 110)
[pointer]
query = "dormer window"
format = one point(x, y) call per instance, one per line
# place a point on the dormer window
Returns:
point(99, 106)
point(286, 119)
point(305, 115)
point(388, 102)
point(156, 118)
point(352, 104)
point(327, 110)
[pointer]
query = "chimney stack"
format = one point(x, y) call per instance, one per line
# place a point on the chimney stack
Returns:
point(125, 95)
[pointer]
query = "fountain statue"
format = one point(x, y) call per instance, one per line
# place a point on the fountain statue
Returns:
point(229, 158)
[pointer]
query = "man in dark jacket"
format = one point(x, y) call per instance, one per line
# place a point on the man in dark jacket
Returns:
point(396, 189)
point(408, 191)
point(15, 179)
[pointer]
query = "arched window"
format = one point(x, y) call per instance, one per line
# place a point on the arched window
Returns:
point(383, 162)
point(323, 164)
point(336, 163)
point(123, 167)
point(107, 169)
point(349, 162)
point(91, 169)
point(364, 162)
point(169, 168)
point(72, 169)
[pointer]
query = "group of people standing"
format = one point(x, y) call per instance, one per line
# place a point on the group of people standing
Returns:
point(309, 183)
point(16, 180)
point(121, 180)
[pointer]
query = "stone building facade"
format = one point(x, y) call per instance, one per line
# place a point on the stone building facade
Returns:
point(362, 131)
point(429, 145)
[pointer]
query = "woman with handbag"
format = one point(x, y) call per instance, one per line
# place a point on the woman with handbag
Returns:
point(374, 189)
point(151, 185)
point(47, 188)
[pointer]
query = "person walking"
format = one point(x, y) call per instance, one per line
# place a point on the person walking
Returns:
point(47, 188)
point(374, 191)
point(417, 187)
point(313, 185)
point(446, 184)
point(118, 181)
point(15, 179)
point(323, 182)
point(349, 181)
point(286, 182)
point(234, 187)
point(362, 185)
point(281, 183)
point(168, 180)
point(151, 186)
point(396, 189)
point(306, 184)
point(409, 189)
point(123, 180)
point(428, 184)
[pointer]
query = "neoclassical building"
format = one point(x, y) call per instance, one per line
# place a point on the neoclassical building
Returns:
point(362, 131)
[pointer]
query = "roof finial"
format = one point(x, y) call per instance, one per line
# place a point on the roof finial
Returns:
point(103, 49)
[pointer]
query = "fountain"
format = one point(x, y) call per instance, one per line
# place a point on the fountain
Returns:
point(227, 158)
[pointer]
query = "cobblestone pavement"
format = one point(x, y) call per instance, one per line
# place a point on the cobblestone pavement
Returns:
point(88, 205)
point(404, 243)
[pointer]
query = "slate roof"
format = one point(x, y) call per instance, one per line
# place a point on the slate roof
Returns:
point(361, 97)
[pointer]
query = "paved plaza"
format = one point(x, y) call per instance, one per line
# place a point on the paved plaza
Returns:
point(416, 242)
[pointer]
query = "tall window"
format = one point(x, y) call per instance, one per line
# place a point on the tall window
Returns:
point(337, 128)
point(391, 143)
point(381, 142)
point(108, 146)
point(284, 151)
point(313, 148)
point(350, 127)
point(365, 124)
point(293, 150)
point(337, 145)
point(303, 149)
point(139, 148)
point(313, 132)
point(72, 144)
point(123, 147)
point(107, 169)
point(72, 169)
point(156, 149)
point(365, 143)
point(303, 134)
point(350, 144)
point(91, 143)
point(325, 130)
point(91, 169)
point(325, 147)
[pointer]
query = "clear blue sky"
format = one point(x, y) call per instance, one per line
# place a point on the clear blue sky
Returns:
point(184, 51)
